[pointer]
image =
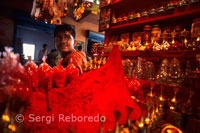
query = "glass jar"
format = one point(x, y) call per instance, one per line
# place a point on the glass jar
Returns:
point(180, 45)
point(147, 34)
point(195, 28)
point(155, 34)
point(147, 37)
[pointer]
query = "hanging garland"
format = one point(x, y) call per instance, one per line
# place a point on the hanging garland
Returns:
point(51, 11)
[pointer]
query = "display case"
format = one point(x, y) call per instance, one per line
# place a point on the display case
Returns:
point(160, 35)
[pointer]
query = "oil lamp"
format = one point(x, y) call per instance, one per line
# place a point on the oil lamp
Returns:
point(5, 117)
point(12, 126)
point(173, 105)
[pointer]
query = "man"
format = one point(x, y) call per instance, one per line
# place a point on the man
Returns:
point(43, 53)
point(64, 40)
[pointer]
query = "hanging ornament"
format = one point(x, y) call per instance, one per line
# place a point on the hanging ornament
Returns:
point(78, 12)
point(50, 11)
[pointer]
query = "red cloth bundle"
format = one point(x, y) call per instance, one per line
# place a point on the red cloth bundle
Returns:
point(14, 80)
point(32, 69)
point(72, 72)
point(45, 75)
point(21, 82)
point(59, 76)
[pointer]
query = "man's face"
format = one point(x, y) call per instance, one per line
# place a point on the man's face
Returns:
point(64, 41)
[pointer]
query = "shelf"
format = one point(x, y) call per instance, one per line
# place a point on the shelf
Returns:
point(184, 12)
point(111, 4)
point(158, 56)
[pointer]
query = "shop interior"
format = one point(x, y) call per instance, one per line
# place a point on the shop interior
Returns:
point(122, 66)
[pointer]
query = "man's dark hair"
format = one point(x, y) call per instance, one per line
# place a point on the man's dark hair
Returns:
point(45, 45)
point(79, 47)
point(65, 27)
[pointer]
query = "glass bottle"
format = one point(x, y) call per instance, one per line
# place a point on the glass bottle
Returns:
point(165, 43)
point(147, 37)
point(155, 34)
point(198, 42)
point(195, 28)
point(185, 39)
point(173, 42)
point(195, 33)
point(180, 45)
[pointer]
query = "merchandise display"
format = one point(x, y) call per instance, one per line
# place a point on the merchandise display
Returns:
point(144, 78)
point(152, 39)
point(162, 54)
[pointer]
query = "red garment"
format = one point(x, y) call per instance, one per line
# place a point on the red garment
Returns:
point(79, 60)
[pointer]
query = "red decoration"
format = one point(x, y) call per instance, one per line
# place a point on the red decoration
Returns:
point(72, 72)
point(32, 69)
point(45, 75)
point(59, 76)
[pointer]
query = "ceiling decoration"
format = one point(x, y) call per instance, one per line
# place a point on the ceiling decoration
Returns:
point(51, 11)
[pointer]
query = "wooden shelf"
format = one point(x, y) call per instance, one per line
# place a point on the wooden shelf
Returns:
point(167, 54)
point(179, 13)
point(111, 4)
point(158, 56)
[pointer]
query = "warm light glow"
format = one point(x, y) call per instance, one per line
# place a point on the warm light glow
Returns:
point(12, 127)
point(173, 41)
point(185, 40)
point(151, 95)
point(171, 107)
point(6, 118)
point(161, 98)
point(18, 81)
point(198, 38)
point(170, 127)
point(135, 98)
point(141, 124)
point(169, 131)
point(157, 110)
point(173, 100)
point(147, 121)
